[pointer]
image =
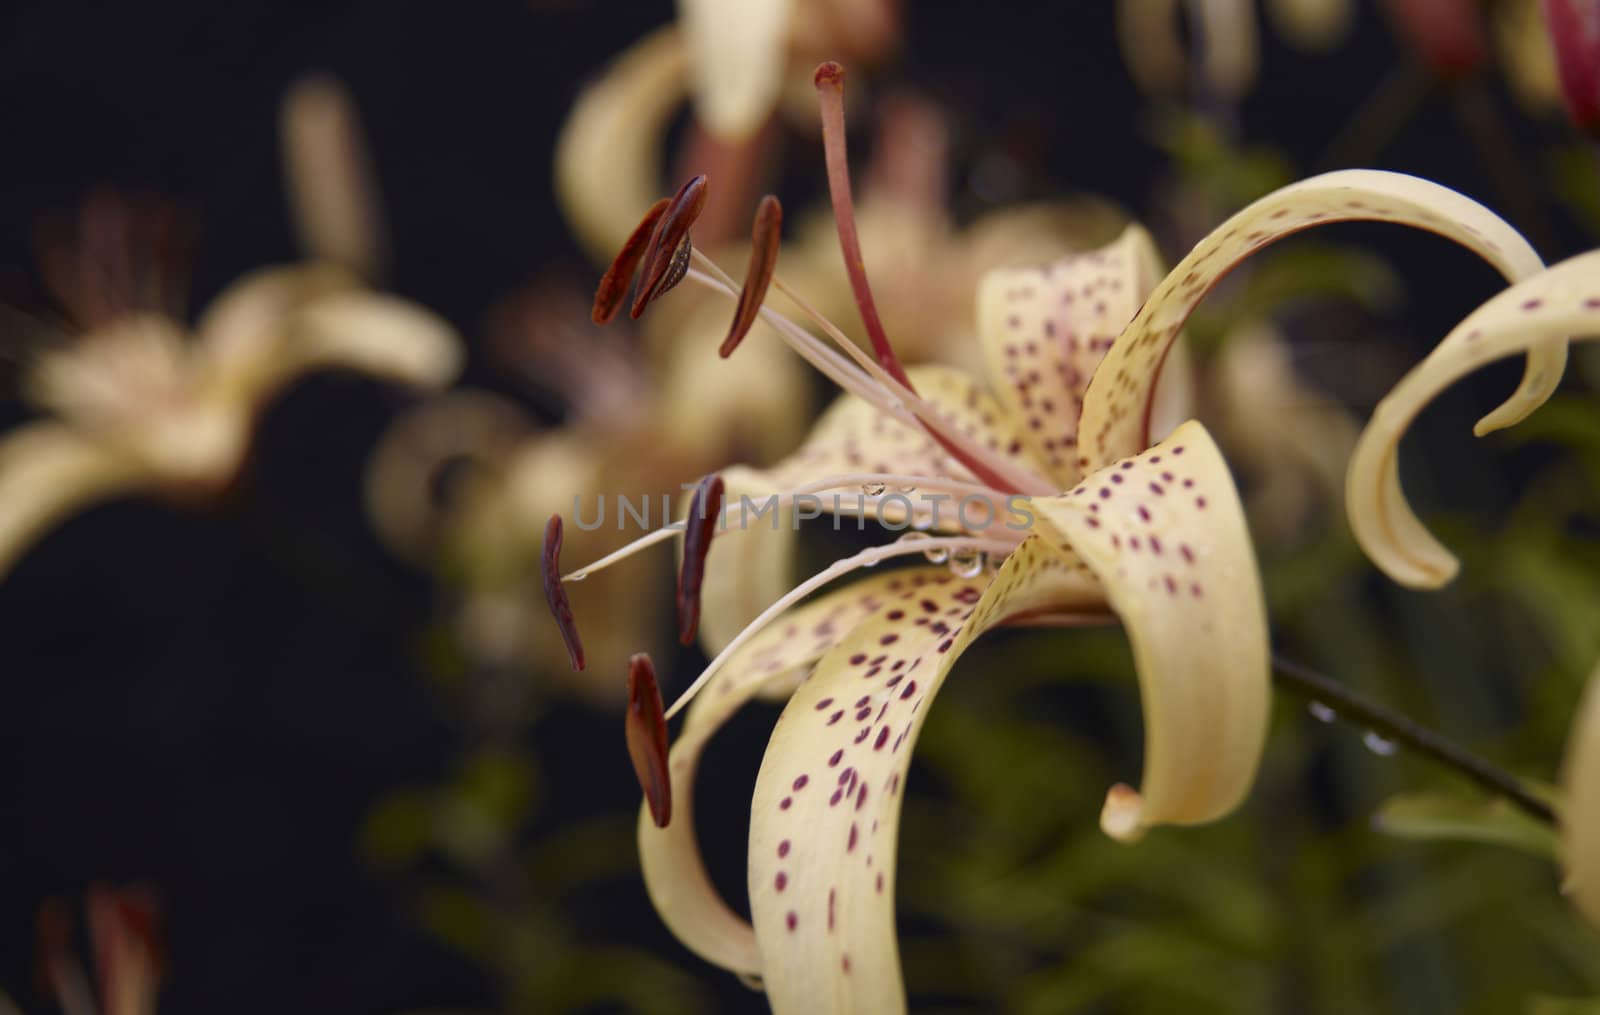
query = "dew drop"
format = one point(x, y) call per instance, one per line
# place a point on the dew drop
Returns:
point(967, 565)
point(873, 489)
point(1378, 744)
point(1321, 712)
point(938, 555)
point(580, 576)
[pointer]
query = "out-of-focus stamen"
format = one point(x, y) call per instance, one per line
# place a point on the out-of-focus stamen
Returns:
point(556, 595)
point(646, 731)
point(764, 235)
point(613, 287)
point(829, 80)
point(667, 258)
point(705, 513)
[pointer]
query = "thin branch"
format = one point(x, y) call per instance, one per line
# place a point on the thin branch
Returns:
point(1391, 725)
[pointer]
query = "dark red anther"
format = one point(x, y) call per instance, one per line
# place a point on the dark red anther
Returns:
point(613, 289)
point(764, 235)
point(556, 594)
point(667, 258)
point(705, 513)
point(1575, 35)
point(646, 730)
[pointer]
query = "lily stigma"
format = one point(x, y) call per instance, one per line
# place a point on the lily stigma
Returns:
point(1098, 505)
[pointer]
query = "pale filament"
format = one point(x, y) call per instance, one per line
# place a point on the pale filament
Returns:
point(838, 569)
point(889, 395)
point(786, 498)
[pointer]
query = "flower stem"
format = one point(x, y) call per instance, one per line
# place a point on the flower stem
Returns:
point(1354, 708)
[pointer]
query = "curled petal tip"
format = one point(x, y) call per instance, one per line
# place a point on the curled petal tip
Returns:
point(829, 74)
point(646, 731)
point(705, 513)
point(1121, 817)
point(764, 237)
point(555, 594)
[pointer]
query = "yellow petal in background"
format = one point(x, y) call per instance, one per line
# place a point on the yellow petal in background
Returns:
point(333, 195)
point(47, 472)
point(608, 157)
point(737, 63)
point(1580, 813)
point(242, 330)
point(1541, 312)
point(1164, 531)
point(1114, 411)
point(379, 335)
point(1312, 24)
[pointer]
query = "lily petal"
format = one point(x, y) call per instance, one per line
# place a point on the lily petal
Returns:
point(1312, 24)
point(241, 331)
point(48, 471)
point(1580, 814)
point(1116, 405)
point(750, 563)
point(737, 61)
point(375, 334)
point(1045, 329)
point(1166, 534)
point(673, 870)
point(332, 192)
point(825, 818)
point(608, 156)
point(1537, 313)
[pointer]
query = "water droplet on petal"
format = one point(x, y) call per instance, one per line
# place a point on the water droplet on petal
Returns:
point(967, 565)
point(873, 489)
point(937, 555)
point(1321, 712)
point(1378, 744)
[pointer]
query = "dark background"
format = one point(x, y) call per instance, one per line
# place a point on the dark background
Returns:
point(212, 701)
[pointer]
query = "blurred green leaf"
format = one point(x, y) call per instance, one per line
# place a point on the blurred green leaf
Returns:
point(1444, 816)
point(398, 829)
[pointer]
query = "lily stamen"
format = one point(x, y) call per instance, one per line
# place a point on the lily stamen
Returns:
point(645, 730)
point(829, 80)
point(555, 593)
point(667, 257)
point(764, 236)
point(880, 388)
point(705, 512)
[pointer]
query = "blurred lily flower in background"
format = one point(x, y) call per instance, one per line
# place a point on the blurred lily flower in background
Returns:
point(133, 400)
point(124, 938)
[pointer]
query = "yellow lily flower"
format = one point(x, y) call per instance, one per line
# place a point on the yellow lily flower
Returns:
point(1070, 500)
point(138, 403)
